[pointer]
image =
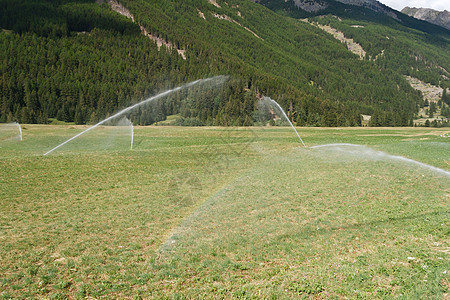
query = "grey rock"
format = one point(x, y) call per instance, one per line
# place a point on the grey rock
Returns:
point(441, 18)
point(310, 5)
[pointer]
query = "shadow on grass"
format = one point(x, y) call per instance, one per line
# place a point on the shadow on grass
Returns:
point(390, 219)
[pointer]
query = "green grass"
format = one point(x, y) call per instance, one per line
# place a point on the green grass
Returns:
point(53, 121)
point(223, 213)
point(170, 120)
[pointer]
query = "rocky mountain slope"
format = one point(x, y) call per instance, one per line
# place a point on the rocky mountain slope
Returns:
point(328, 6)
point(441, 18)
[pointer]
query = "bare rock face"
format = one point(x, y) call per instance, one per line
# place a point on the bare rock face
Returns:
point(310, 5)
point(441, 18)
point(373, 5)
point(368, 3)
point(318, 5)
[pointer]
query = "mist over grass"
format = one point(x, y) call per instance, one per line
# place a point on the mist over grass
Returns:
point(10, 132)
point(224, 213)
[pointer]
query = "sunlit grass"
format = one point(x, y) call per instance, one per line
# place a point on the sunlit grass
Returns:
point(225, 213)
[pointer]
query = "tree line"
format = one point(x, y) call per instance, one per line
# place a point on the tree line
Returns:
point(77, 61)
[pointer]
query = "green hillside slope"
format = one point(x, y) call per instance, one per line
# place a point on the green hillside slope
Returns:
point(80, 61)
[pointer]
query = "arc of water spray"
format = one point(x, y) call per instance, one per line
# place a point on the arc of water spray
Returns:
point(133, 107)
point(374, 154)
point(132, 135)
point(20, 131)
point(286, 117)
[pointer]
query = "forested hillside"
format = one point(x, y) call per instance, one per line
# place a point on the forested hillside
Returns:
point(78, 61)
point(408, 45)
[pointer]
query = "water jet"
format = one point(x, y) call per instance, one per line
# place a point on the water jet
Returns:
point(10, 129)
point(371, 154)
point(216, 80)
point(273, 103)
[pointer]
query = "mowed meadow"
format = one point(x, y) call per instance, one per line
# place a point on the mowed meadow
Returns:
point(211, 212)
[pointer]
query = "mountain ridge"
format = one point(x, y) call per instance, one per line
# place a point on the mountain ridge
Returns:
point(440, 18)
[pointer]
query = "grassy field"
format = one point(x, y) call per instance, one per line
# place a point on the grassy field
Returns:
point(224, 213)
